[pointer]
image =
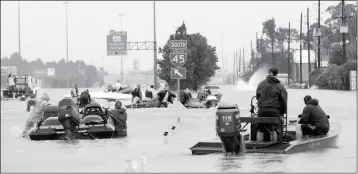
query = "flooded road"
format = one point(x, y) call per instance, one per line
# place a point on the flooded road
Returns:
point(145, 141)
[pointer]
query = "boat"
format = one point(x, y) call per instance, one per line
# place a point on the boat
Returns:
point(94, 124)
point(19, 90)
point(110, 96)
point(232, 137)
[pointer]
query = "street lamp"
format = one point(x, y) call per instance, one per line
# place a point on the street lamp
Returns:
point(121, 16)
point(66, 4)
point(155, 48)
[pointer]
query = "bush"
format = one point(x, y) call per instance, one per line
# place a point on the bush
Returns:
point(334, 76)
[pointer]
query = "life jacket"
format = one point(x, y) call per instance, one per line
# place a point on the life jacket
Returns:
point(148, 94)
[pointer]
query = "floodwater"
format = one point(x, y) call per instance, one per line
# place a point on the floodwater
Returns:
point(145, 142)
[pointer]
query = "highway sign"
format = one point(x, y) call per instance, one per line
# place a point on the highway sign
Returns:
point(178, 73)
point(117, 43)
point(178, 44)
point(178, 59)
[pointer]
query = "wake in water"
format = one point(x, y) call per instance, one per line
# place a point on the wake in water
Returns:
point(255, 79)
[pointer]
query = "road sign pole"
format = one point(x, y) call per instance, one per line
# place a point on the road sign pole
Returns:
point(178, 90)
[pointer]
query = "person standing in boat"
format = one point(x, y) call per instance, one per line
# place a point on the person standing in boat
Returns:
point(313, 120)
point(37, 113)
point(149, 93)
point(119, 117)
point(137, 95)
point(271, 98)
point(85, 99)
point(74, 91)
point(165, 96)
point(118, 86)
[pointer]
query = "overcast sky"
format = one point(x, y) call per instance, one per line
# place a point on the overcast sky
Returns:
point(43, 31)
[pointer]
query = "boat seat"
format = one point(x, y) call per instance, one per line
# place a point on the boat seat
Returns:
point(92, 119)
point(51, 122)
point(51, 111)
point(255, 120)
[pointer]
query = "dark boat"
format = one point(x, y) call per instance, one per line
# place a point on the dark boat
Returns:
point(233, 138)
point(94, 124)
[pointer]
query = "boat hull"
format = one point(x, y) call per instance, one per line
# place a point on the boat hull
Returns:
point(295, 146)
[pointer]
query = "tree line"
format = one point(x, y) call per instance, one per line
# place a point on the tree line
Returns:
point(66, 73)
point(336, 75)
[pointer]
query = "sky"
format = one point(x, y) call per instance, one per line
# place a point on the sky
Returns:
point(229, 26)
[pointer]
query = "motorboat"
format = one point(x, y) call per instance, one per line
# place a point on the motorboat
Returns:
point(232, 137)
point(94, 124)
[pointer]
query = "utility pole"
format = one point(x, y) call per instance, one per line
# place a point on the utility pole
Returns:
point(243, 60)
point(155, 50)
point(19, 26)
point(19, 30)
point(252, 58)
point(308, 48)
point(121, 16)
point(343, 33)
point(233, 71)
point(66, 5)
point(239, 61)
point(222, 53)
point(319, 36)
point(301, 50)
point(237, 69)
point(288, 55)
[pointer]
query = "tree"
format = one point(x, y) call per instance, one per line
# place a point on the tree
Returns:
point(201, 63)
point(135, 64)
point(269, 29)
point(64, 71)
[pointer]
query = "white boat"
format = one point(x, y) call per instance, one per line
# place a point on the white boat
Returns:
point(107, 95)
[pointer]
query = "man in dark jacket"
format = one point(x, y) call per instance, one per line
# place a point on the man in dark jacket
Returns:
point(165, 96)
point(313, 120)
point(271, 98)
point(119, 117)
point(184, 97)
point(137, 93)
point(28, 91)
point(84, 99)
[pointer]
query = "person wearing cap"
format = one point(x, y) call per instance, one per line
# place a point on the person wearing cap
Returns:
point(74, 91)
point(119, 117)
point(313, 120)
point(37, 113)
point(137, 95)
point(271, 98)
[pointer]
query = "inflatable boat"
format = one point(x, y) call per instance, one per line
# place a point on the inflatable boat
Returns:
point(94, 124)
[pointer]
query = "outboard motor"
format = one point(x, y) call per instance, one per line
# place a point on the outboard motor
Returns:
point(68, 116)
point(228, 127)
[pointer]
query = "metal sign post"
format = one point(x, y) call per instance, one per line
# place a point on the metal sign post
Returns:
point(178, 58)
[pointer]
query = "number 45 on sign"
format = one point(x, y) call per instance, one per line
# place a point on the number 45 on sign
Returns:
point(178, 59)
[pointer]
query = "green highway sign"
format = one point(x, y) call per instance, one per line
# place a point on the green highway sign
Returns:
point(178, 59)
point(178, 73)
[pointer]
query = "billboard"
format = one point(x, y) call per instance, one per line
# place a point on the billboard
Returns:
point(38, 73)
point(6, 70)
point(50, 71)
